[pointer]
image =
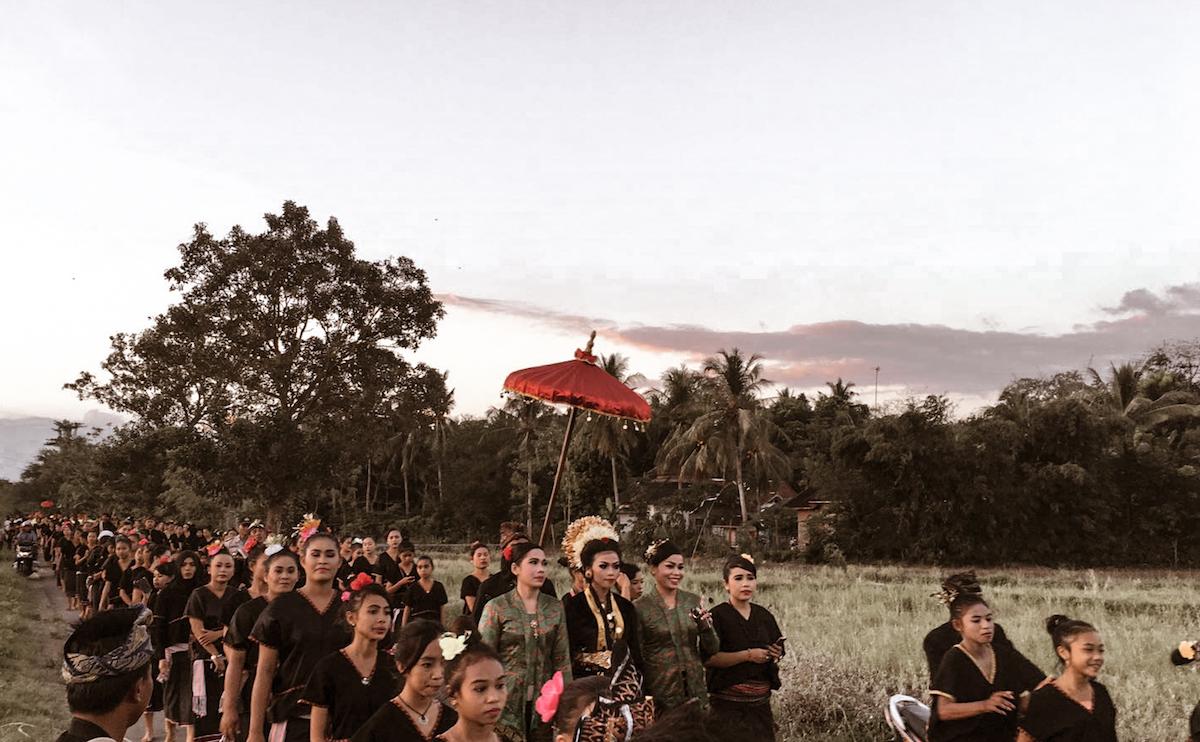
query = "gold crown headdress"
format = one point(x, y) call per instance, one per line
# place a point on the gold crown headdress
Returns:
point(589, 528)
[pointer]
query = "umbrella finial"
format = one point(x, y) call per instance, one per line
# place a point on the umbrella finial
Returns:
point(591, 341)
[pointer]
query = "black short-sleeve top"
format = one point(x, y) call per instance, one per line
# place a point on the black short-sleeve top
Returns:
point(336, 685)
point(391, 723)
point(216, 612)
point(960, 680)
point(1054, 717)
point(469, 589)
point(424, 603)
point(238, 637)
point(303, 635)
point(738, 634)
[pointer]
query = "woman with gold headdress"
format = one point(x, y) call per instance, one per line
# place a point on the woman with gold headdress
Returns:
point(598, 618)
point(676, 631)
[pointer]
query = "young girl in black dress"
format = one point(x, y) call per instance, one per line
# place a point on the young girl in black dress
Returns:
point(416, 714)
point(295, 632)
point(209, 610)
point(744, 672)
point(1072, 707)
point(348, 686)
point(978, 686)
point(480, 557)
point(426, 598)
point(476, 688)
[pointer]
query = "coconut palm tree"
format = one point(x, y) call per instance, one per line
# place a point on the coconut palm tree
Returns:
point(524, 419)
point(734, 431)
point(1126, 395)
point(608, 436)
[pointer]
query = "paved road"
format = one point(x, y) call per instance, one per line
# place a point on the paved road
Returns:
point(56, 598)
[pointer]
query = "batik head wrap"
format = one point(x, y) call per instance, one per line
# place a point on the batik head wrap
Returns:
point(134, 653)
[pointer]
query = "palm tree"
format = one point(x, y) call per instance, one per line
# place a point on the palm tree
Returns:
point(440, 404)
point(1126, 395)
point(609, 436)
point(523, 417)
point(733, 431)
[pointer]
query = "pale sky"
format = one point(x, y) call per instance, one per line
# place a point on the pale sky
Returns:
point(959, 193)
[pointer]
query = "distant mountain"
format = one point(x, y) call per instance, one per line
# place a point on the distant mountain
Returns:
point(22, 437)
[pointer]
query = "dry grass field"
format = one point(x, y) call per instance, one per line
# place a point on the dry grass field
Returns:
point(854, 637)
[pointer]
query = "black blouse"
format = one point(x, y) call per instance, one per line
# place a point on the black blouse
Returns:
point(238, 637)
point(303, 635)
point(170, 625)
point(391, 723)
point(336, 685)
point(960, 680)
point(582, 632)
point(738, 634)
point(1053, 717)
point(213, 611)
point(427, 605)
point(470, 588)
point(114, 576)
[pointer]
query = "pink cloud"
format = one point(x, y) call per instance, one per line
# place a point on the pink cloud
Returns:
point(934, 357)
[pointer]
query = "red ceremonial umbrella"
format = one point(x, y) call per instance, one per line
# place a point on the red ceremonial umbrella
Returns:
point(581, 384)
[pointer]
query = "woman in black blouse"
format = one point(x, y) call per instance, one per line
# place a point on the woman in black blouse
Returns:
point(348, 686)
point(293, 634)
point(745, 671)
point(481, 557)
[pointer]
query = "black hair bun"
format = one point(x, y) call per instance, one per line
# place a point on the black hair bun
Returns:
point(1056, 622)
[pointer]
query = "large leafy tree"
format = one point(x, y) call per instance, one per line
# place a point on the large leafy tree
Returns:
point(287, 335)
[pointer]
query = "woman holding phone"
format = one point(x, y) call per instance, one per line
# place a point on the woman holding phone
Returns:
point(745, 670)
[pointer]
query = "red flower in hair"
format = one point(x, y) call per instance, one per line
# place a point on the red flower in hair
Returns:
point(507, 553)
point(143, 542)
point(360, 581)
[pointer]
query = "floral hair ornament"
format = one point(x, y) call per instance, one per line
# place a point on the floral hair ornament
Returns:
point(748, 558)
point(361, 580)
point(308, 527)
point(583, 530)
point(214, 548)
point(653, 548)
point(452, 646)
point(273, 549)
point(507, 553)
point(547, 701)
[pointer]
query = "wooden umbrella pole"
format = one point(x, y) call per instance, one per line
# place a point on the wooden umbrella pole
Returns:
point(562, 460)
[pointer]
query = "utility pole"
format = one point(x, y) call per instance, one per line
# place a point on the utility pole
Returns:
point(876, 390)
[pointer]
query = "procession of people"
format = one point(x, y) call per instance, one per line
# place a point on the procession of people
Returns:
point(264, 637)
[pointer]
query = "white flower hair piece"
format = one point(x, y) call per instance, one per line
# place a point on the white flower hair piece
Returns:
point(273, 549)
point(748, 558)
point(452, 646)
point(589, 528)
